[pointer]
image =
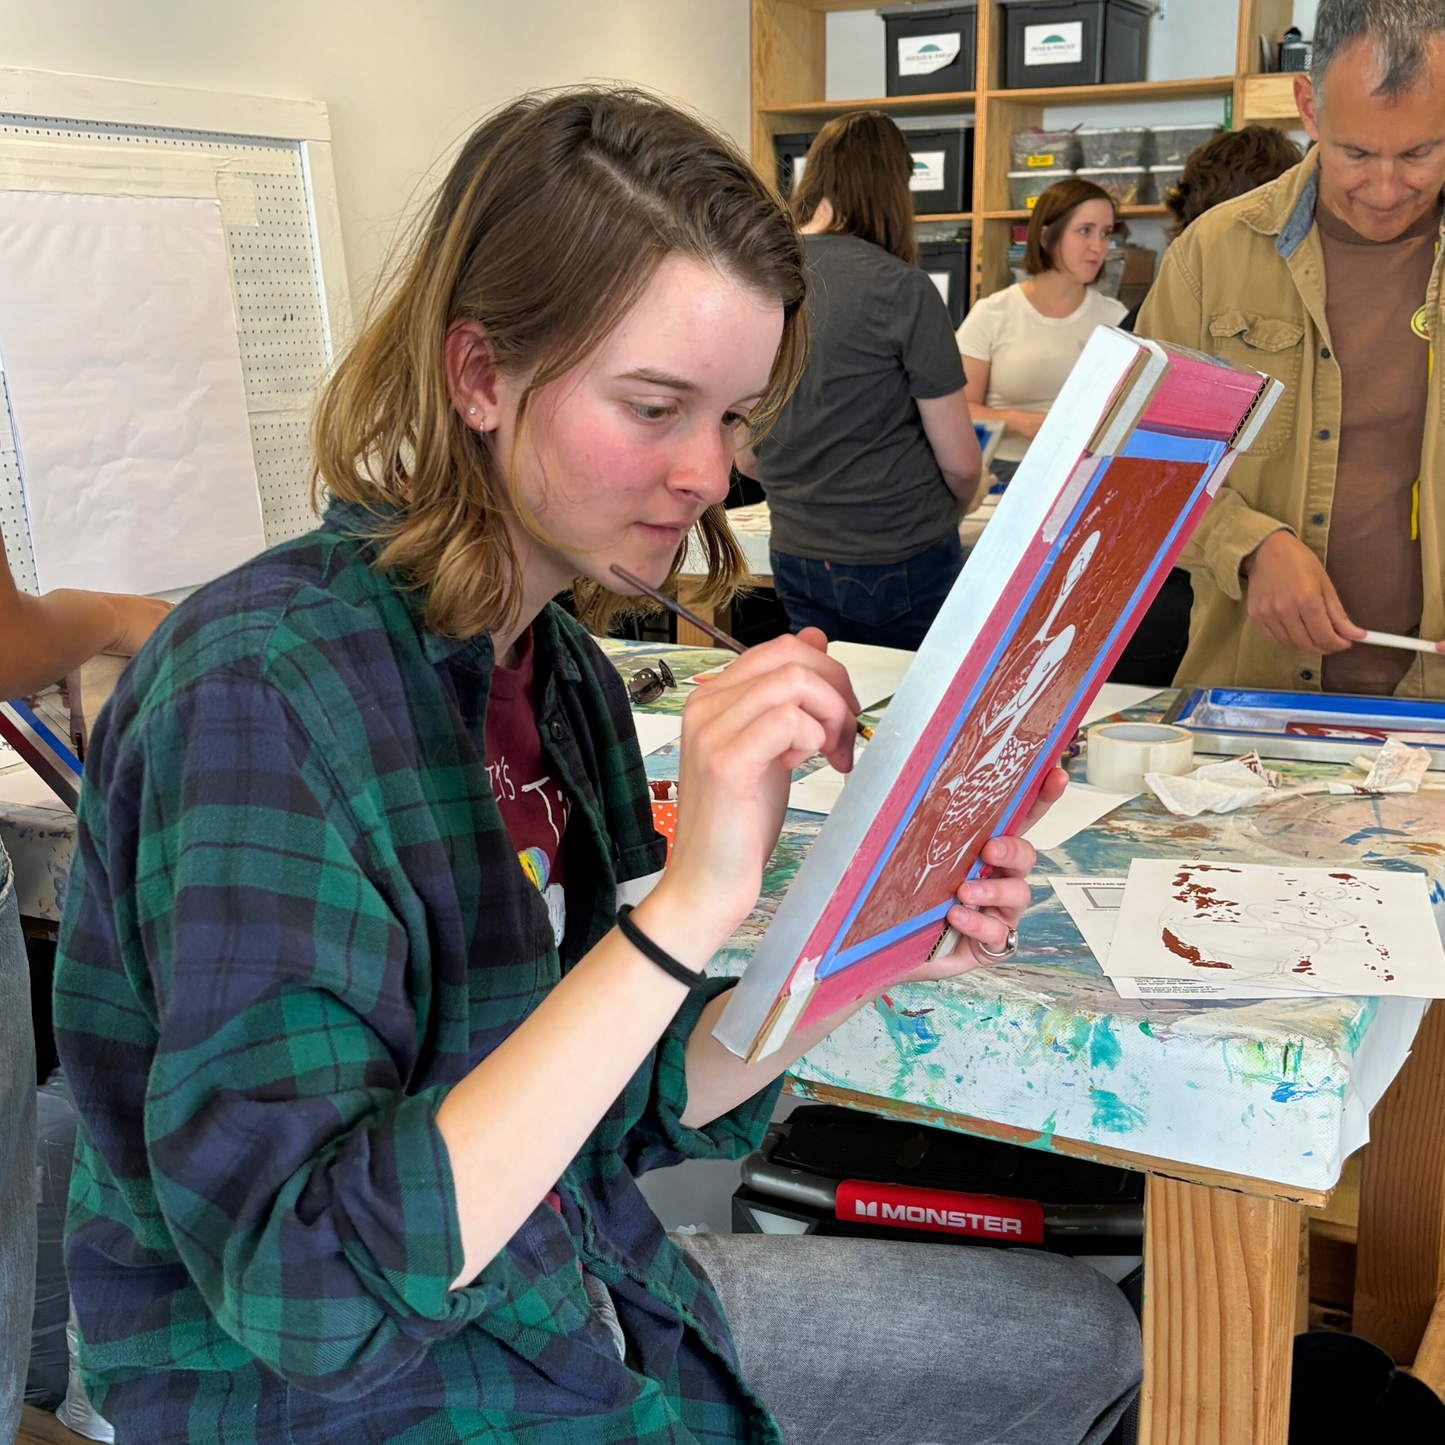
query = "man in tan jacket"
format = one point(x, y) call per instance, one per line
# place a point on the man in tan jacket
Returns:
point(1329, 280)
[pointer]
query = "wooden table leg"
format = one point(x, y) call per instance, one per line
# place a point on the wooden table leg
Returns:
point(1220, 1272)
point(687, 634)
point(1302, 1277)
point(1400, 1258)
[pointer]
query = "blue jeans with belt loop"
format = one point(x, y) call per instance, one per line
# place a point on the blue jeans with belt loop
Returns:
point(17, 1157)
point(889, 604)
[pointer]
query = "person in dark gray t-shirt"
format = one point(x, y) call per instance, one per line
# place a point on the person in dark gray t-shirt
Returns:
point(868, 463)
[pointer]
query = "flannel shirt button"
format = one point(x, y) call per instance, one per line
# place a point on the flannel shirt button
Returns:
point(1307, 675)
point(1323, 434)
point(557, 730)
point(1318, 519)
point(1325, 352)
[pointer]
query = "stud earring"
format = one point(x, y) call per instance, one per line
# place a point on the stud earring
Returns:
point(471, 411)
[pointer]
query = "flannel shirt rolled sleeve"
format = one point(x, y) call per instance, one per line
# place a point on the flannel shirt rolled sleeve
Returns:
point(308, 1194)
point(660, 1138)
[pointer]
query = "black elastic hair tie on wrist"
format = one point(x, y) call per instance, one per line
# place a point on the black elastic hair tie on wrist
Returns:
point(645, 946)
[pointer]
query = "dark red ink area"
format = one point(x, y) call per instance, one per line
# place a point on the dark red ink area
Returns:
point(1201, 895)
point(1188, 952)
point(1135, 512)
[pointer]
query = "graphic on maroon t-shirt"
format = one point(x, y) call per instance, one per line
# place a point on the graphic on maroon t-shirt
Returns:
point(533, 804)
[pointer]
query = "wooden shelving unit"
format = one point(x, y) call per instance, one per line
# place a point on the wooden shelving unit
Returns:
point(1127, 213)
point(823, 110)
point(788, 89)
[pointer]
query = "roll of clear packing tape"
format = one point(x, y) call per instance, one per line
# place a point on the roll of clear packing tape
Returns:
point(1121, 753)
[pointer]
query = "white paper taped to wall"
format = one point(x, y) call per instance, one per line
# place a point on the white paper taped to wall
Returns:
point(118, 330)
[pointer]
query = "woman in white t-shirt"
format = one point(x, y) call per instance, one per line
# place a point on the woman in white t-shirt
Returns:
point(1019, 345)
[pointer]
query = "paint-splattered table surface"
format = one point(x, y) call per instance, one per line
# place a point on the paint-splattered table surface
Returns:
point(1044, 1046)
point(1278, 1090)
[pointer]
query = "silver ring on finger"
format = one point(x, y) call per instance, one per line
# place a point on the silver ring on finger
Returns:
point(1010, 947)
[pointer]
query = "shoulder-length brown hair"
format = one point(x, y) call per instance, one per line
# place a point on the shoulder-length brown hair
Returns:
point(1051, 217)
point(1226, 166)
point(552, 221)
point(860, 164)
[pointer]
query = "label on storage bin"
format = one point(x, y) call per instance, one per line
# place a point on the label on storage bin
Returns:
point(1054, 44)
point(923, 54)
point(1040, 163)
point(943, 280)
point(927, 170)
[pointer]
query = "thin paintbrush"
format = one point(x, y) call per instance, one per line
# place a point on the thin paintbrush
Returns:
point(717, 635)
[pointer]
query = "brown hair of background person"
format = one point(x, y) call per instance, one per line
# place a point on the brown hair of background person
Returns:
point(860, 164)
point(1050, 217)
point(1227, 166)
point(599, 188)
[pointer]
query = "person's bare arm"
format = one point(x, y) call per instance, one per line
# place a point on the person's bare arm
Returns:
point(1291, 599)
point(1021, 423)
point(514, 1123)
point(46, 637)
point(949, 429)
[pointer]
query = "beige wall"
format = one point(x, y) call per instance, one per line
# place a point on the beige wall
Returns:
point(404, 79)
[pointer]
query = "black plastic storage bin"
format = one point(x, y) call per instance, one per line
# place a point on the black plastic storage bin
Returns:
point(790, 150)
point(1075, 42)
point(942, 183)
point(920, 39)
point(946, 263)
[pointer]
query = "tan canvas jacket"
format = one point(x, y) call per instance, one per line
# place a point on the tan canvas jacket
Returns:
point(1246, 283)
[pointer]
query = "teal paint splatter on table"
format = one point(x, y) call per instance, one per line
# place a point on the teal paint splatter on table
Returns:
point(1112, 1114)
point(1044, 1044)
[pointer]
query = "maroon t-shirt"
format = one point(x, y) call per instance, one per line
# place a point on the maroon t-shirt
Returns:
point(533, 804)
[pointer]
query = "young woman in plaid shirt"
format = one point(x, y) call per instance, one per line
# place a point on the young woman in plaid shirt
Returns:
point(361, 1112)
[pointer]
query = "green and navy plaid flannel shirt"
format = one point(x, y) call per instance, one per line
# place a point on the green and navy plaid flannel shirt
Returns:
point(295, 921)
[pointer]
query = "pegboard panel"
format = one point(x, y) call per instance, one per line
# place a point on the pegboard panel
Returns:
point(282, 444)
point(281, 322)
point(14, 520)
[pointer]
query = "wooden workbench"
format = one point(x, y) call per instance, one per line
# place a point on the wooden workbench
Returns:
point(1226, 1253)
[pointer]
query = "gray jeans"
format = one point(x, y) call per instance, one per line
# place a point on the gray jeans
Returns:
point(883, 1342)
point(17, 1158)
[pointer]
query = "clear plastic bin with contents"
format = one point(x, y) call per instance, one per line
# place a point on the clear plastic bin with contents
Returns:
point(1108, 147)
point(1164, 179)
point(1025, 187)
point(1044, 150)
point(1174, 144)
point(1128, 185)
